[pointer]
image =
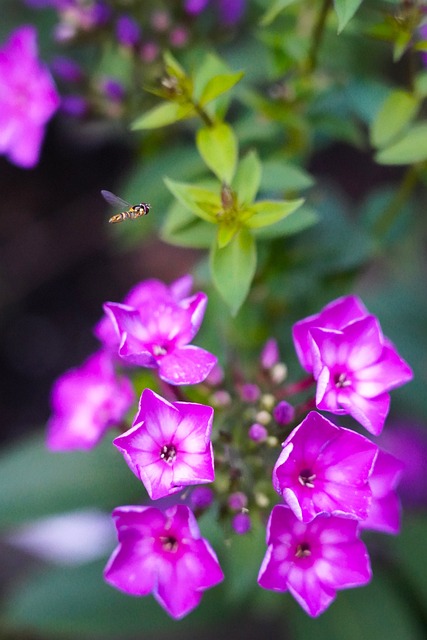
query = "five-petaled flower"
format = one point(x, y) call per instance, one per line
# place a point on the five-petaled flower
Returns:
point(169, 445)
point(28, 98)
point(354, 365)
point(325, 469)
point(86, 401)
point(163, 554)
point(156, 334)
point(313, 560)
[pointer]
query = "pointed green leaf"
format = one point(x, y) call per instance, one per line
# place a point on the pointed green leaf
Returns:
point(172, 66)
point(226, 233)
point(395, 113)
point(162, 115)
point(218, 147)
point(182, 229)
point(266, 212)
point(219, 85)
point(247, 179)
point(202, 202)
point(409, 149)
point(345, 10)
point(279, 177)
point(298, 221)
point(274, 10)
point(233, 269)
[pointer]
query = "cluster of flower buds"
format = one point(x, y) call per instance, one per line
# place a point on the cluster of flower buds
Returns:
point(332, 481)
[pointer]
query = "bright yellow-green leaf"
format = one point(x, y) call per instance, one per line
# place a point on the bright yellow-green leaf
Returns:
point(273, 11)
point(247, 179)
point(408, 149)
point(162, 115)
point(345, 10)
point(218, 147)
point(226, 233)
point(233, 268)
point(266, 212)
point(172, 66)
point(394, 115)
point(202, 202)
point(219, 85)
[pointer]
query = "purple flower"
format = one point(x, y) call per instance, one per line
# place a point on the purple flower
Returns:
point(313, 560)
point(28, 98)
point(163, 554)
point(257, 432)
point(241, 523)
point(67, 69)
point(86, 401)
point(354, 365)
point(201, 497)
point(128, 31)
point(325, 469)
point(384, 512)
point(230, 11)
point(283, 413)
point(169, 445)
point(156, 335)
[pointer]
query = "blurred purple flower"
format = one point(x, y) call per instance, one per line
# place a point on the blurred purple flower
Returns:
point(75, 106)
point(67, 69)
point(156, 335)
point(230, 11)
point(201, 497)
point(270, 354)
point(325, 469)
point(241, 523)
point(28, 98)
point(168, 446)
point(113, 89)
point(86, 401)
point(354, 365)
point(128, 31)
point(257, 432)
point(313, 560)
point(163, 554)
point(384, 512)
point(283, 413)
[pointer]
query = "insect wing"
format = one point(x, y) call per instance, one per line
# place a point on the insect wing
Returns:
point(114, 200)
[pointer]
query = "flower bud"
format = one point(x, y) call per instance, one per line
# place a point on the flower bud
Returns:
point(283, 413)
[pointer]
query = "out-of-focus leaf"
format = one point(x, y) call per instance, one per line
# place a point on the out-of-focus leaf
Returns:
point(298, 221)
point(182, 229)
point(218, 85)
point(408, 149)
point(266, 212)
point(280, 177)
point(226, 233)
point(273, 11)
point(37, 482)
point(172, 66)
point(162, 115)
point(77, 603)
point(247, 179)
point(395, 114)
point(345, 10)
point(202, 202)
point(218, 147)
point(233, 269)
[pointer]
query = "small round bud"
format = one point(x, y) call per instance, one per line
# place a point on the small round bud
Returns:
point(221, 398)
point(201, 497)
point(237, 501)
point(128, 31)
point(262, 500)
point(257, 432)
point(269, 354)
point(178, 37)
point(279, 373)
point(241, 523)
point(263, 417)
point(283, 413)
point(268, 401)
point(249, 392)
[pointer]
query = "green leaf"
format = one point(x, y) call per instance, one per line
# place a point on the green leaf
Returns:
point(172, 66)
point(247, 179)
point(218, 147)
point(37, 482)
point(162, 115)
point(409, 149)
point(279, 177)
point(226, 233)
point(395, 113)
point(296, 222)
point(266, 212)
point(233, 268)
point(202, 202)
point(345, 10)
point(273, 11)
point(182, 229)
point(218, 85)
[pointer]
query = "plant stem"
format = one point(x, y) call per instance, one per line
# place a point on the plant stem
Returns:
point(318, 31)
point(390, 213)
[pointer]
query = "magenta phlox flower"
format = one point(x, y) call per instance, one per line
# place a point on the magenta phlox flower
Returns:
point(335, 315)
point(384, 512)
point(28, 98)
point(86, 401)
point(156, 335)
point(169, 445)
point(313, 560)
point(163, 554)
point(355, 368)
point(325, 469)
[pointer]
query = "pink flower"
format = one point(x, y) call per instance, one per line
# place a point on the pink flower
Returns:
point(28, 98)
point(325, 469)
point(384, 512)
point(313, 560)
point(156, 334)
point(163, 554)
point(86, 401)
point(354, 365)
point(169, 445)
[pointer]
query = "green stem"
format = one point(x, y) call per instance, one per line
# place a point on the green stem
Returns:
point(317, 36)
point(391, 212)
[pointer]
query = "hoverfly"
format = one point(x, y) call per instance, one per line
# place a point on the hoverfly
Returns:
point(129, 212)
